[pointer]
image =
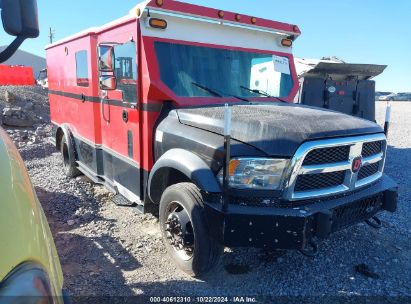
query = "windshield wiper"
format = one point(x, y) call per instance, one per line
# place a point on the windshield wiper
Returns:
point(263, 93)
point(211, 91)
point(215, 93)
point(256, 91)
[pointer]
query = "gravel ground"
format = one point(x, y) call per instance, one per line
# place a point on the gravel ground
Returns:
point(114, 251)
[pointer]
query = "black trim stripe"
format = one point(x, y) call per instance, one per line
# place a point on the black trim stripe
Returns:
point(118, 103)
point(75, 96)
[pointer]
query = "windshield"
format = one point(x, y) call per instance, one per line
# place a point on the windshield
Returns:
point(195, 71)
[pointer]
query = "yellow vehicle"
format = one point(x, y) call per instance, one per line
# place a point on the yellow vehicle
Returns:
point(30, 270)
point(29, 264)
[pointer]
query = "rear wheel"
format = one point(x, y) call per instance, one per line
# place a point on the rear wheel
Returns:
point(69, 161)
point(184, 230)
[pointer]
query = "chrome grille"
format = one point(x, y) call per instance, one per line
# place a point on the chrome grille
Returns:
point(327, 155)
point(319, 181)
point(372, 148)
point(325, 167)
point(368, 171)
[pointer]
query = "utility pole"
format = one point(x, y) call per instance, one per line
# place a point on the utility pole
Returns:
point(51, 35)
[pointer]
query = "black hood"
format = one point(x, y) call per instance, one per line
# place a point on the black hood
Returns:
point(277, 129)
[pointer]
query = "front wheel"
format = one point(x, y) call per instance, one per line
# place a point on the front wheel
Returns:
point(184, 230)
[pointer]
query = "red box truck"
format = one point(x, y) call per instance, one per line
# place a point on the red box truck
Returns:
point(139, 105)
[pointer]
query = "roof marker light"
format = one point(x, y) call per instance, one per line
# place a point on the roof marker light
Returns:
point(159, 2)
point(253, 20)
point(158, 23)
point(286, 42)
point(238, 17)
point(221, 14)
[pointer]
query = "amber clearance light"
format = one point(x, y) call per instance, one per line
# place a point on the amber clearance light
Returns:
point(233, 166)
point(287, 42)
point(159, 2)
point(221, 14)
point(158, 23)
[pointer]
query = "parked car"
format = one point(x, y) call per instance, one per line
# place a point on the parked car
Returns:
point(30, 271)
point(402, 97)
point(42, 79)
point(29, 264)
point(397, 97)
point(387, 97)
point(378, 95)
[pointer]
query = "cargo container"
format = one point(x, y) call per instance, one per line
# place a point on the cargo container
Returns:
point(16, 75)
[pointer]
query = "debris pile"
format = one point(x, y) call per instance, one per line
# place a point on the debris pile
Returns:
point(16, 117)
point(23, 107)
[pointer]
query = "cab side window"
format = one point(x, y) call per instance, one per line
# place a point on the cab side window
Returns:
point(82, 69)
point(126, 70)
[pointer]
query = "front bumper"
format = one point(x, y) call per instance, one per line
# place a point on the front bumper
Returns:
point(293, 228)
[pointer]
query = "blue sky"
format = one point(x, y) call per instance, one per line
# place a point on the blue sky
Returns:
point(358, 31)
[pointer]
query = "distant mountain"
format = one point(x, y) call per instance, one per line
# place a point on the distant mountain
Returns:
point(25, 58)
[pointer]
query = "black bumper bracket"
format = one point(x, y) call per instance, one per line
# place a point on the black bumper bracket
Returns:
point(323, 224)
point(390, 200)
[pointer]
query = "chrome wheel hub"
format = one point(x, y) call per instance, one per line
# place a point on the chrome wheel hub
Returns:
point(179, 231)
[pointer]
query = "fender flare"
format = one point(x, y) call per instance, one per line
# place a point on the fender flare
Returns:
point(189, 164)
point(69, 139)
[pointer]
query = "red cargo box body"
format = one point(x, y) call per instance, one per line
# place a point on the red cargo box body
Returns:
point(16, 75)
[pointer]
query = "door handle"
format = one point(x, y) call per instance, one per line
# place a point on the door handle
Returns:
point(125, 116)
point(102, 104)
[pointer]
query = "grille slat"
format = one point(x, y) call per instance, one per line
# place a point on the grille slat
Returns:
point(327, 156)
point(371, 148)
point(319, 181)
point(368, 171)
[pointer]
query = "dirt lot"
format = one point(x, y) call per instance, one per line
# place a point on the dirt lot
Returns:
point(114, 251)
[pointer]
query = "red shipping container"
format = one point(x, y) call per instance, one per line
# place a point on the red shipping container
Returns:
point(16, 75)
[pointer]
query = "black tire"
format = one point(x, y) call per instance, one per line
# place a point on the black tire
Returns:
point(206, 251)
point(68, 159)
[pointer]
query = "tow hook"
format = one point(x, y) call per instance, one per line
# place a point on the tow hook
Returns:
point(374, 222)
point(311, 250)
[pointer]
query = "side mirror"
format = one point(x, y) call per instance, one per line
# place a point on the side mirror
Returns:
point(106, 58)
point(108, 83)
point(20, 18)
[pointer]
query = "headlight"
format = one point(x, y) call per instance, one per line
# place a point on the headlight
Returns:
point(256, 173)
point(27, 284)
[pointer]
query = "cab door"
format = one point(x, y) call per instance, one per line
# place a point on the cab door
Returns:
point(120, 122)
